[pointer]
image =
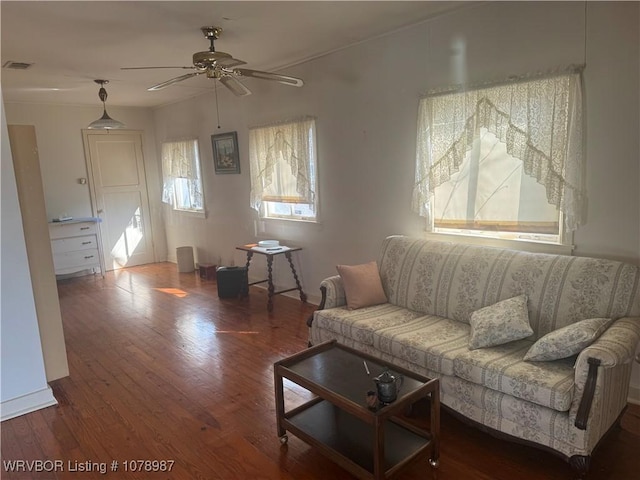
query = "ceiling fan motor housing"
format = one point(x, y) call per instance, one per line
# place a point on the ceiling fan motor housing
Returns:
point(208, 59)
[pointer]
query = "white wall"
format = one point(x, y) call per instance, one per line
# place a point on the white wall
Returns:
point(228, 221)
point(612, 80)
point(62, 159)
point(23, 384)
point(365, 99)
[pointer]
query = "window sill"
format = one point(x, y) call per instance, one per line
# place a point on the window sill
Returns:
point(281, 219)
point(190, 213)
point(524, 245)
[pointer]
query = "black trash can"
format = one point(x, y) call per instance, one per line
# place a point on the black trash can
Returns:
point(232, 282)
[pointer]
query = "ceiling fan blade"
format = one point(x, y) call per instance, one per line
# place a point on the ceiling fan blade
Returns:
point(284, 79)
point(229, 62)
point(172, 81)
point(147, 68)
point(235, 86)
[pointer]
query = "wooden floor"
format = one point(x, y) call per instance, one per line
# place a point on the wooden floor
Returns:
point(162, 370)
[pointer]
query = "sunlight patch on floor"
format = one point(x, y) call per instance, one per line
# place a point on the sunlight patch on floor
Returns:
point(241, 332)
point(173, 291)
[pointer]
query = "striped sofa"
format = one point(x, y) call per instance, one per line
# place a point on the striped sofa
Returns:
point(564, 406)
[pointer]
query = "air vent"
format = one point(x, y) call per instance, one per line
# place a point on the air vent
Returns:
point(17, 65)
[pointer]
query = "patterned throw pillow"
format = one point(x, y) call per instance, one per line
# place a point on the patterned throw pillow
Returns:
point(362, 285)
point(567, 341)
point(502, 322)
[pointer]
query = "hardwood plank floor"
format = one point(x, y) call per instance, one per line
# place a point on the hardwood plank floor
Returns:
point(161, 369)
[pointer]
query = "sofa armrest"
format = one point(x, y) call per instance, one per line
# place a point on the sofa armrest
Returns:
point(611, 352)
point(616, 346)
point(332, 290)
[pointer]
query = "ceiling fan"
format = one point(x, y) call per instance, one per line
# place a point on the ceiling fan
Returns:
point(220, 66)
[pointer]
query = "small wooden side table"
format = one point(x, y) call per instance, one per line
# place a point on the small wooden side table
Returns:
point(270, 253)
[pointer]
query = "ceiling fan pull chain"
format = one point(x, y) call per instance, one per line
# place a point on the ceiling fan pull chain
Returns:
point(215, 89)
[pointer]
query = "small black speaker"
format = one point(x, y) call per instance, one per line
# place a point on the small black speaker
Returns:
point(232, 282)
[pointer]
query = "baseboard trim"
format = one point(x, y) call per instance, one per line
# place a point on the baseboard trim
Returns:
point(634, 395)
point(27, 403)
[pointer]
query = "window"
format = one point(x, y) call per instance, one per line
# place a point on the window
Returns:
point(502, 161)
point(283, 170)
point(491, 194)
point(182, 177)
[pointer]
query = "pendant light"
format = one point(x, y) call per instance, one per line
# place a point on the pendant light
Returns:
point(105, 122)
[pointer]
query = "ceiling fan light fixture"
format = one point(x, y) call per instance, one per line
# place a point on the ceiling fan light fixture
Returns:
point(105, 122)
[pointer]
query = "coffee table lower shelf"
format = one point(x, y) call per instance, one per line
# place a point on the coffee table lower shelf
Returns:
point(349, 441)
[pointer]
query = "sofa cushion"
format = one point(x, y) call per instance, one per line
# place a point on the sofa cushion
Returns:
point(424, 340)
point(428, 341)
point(362, 285)
point(567, 341)
point(502, 322)
point(361, 324)
point(502, 368)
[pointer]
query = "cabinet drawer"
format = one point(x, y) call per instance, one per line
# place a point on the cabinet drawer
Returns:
point(79, 258)
point(63, 245)
point(62, 230)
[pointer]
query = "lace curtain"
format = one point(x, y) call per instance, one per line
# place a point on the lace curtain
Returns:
point(539, 120)
point(180, 160)
point(288, 145)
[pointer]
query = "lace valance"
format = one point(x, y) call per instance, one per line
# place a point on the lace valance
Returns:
point(288, 142)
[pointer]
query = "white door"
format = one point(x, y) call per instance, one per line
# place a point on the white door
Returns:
point(119, 196)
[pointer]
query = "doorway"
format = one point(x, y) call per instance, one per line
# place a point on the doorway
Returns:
point(119, 196)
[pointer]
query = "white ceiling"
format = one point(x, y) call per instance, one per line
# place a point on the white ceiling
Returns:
point(72, 43)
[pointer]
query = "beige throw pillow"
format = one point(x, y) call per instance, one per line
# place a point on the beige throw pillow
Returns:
point(502, 322)
point(362, 285)
point(567, 341)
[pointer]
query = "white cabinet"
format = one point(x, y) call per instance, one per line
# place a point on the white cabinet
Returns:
point(75, 246)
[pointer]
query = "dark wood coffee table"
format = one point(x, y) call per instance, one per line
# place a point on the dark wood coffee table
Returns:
point(370, 443)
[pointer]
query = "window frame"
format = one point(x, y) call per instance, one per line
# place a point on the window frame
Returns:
point(431, 171)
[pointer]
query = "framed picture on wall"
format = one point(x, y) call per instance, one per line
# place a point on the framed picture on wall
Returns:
point(225, 152)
